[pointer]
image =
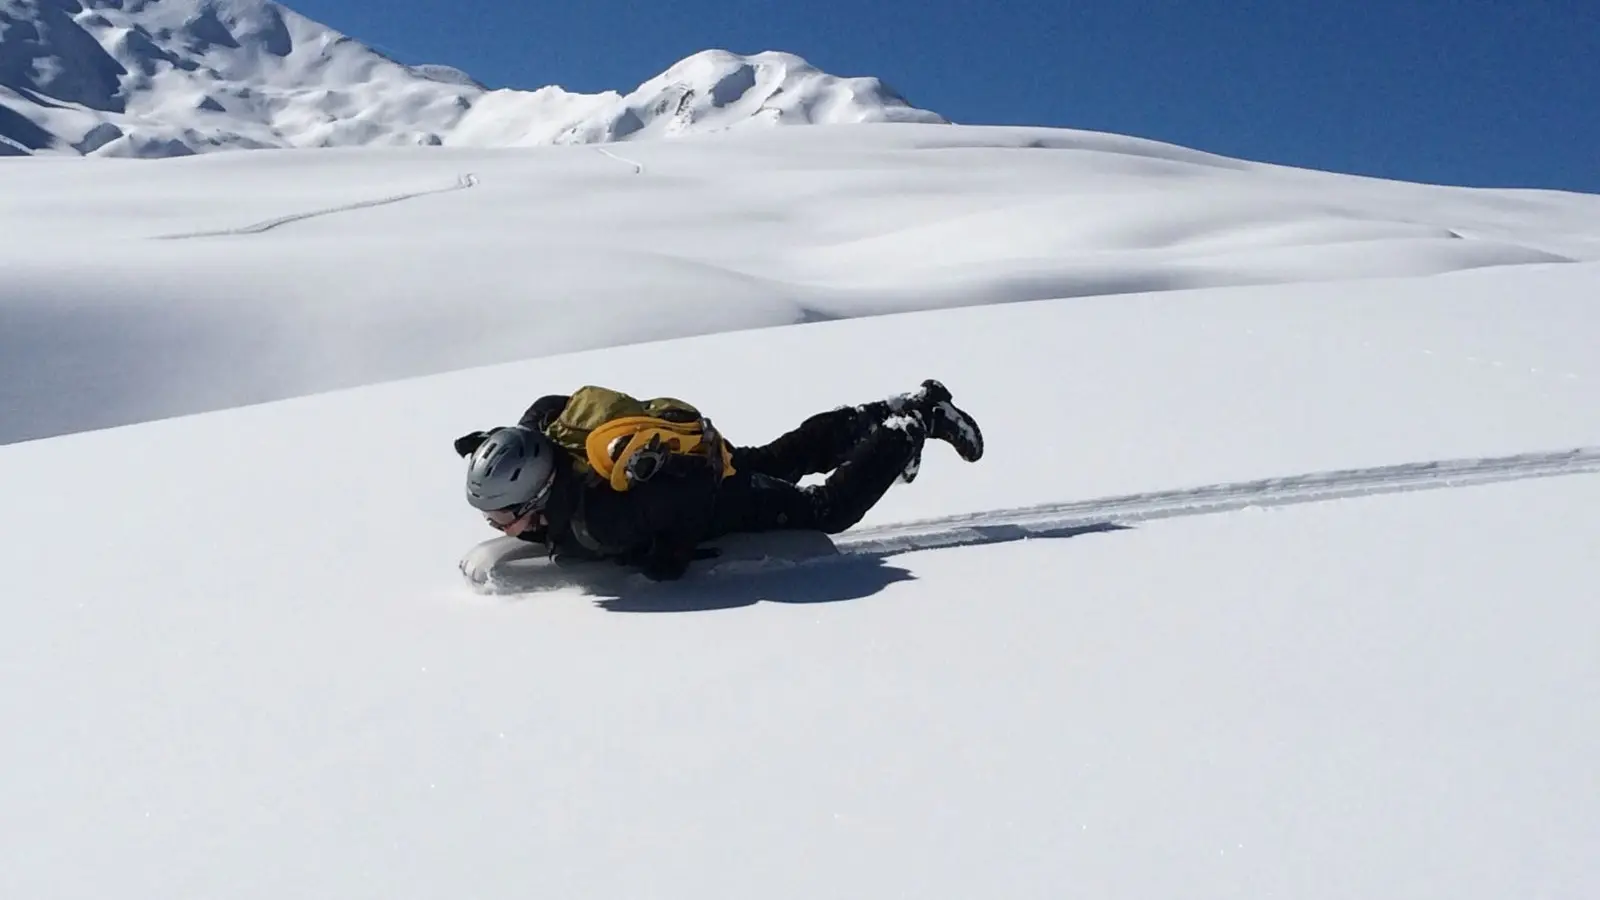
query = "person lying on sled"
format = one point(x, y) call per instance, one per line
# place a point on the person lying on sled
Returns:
point(600, 475)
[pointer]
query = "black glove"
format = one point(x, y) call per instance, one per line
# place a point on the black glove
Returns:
point(644, 464)
point(467, 443)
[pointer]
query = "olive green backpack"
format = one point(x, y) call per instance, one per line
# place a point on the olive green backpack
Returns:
point(602, 429)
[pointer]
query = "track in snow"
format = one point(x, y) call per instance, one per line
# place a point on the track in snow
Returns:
point(1107, 513)
point(463, 182)
point(506, 565)
point(638, 167)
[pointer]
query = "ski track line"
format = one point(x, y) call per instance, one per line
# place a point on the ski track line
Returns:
point(463, 182)
point(638, 167)
point(500, 566)
point(1113, 513)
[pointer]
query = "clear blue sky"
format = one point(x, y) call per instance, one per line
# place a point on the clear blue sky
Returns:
point(1473, 92)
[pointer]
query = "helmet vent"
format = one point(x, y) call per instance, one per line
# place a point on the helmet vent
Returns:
point(515, 475)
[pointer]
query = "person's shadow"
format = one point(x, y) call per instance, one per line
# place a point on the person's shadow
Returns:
point(824, 579)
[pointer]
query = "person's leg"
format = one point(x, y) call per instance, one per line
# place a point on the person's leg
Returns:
point(945, 421)
point(824, 441)
point(816, 447)
point(752, 501)
point(862, 479)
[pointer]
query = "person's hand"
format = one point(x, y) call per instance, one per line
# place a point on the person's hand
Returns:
point(467, 443)
point(646, 461)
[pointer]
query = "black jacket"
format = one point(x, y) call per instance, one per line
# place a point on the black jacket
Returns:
point(655, 525)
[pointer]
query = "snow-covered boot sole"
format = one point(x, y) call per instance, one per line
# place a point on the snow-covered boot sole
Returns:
point(948, 422)
point(955, 427)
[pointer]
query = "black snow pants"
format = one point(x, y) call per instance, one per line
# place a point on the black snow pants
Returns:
point(863, 455)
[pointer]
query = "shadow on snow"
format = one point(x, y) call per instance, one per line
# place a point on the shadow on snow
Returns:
point(827, 579)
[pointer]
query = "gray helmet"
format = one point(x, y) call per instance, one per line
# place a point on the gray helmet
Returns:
point(513, 467)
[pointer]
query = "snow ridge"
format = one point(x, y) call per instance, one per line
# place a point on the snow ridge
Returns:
point(156, 78)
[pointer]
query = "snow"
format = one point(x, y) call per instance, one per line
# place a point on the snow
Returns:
point(163, 78)
point(252, 277)
point(236, 657)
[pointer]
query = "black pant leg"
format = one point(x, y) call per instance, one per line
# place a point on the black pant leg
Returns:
point(752, 501)
point(864, 476)
point(816, 447)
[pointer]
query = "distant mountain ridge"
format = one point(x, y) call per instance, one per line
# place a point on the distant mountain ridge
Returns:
point(153, 78)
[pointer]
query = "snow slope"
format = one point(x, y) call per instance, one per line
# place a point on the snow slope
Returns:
point(240, 662)
point(159, 78)
point(136, 290)
point(236, 658)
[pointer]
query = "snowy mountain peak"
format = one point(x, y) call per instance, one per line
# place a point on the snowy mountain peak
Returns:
point(716, 89)
point(173, 77)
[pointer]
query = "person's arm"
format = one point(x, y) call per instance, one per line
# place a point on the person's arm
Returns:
point(662, 521)
point(679, 516)
point(544, 411)
point(536, 534)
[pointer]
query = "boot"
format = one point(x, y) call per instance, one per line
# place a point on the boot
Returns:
point(946, 421)
point(931, 405)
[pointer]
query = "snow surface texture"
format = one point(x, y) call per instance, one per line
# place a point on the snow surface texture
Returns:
point(241, 662)
point(157, 78)
point(137, 290)
point(237, 658)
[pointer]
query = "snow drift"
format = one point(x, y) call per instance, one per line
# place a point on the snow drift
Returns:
point(141, 290)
